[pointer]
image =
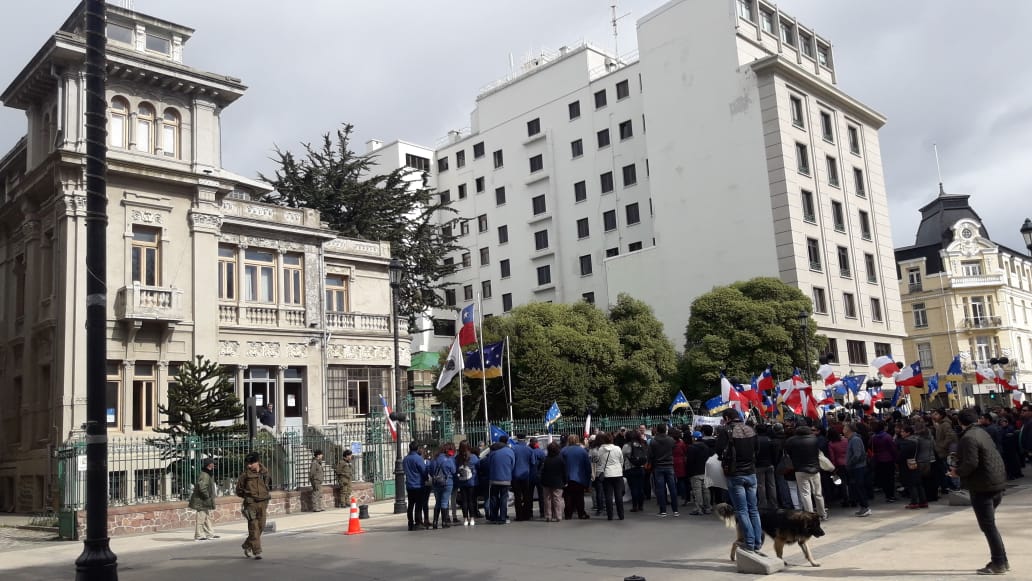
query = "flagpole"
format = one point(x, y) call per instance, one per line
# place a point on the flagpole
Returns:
point(483, 365)
point(508, 374)
point(462, 411)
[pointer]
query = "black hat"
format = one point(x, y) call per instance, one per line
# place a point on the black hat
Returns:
point(252, 458)
point(208, 462)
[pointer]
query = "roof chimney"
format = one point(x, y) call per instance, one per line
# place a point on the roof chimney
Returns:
point(372, 145)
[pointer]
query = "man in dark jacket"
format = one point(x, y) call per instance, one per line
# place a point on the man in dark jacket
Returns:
point(415, 476)
point(766, 485)
point(804, 451)
point(578, 475)
point(501, 462)
point(203, 501)
point(737, 447)
point(523, 501)
point(695, 466)
point(981, 471)
point(661, 456)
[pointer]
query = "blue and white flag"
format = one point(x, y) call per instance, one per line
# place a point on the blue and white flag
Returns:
point(680, 401)
point(553, 415)
point(933, 384)
point(497, 433)
point(955, 367)
point(949, 387)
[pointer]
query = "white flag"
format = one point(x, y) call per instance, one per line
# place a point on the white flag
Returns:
point(452, 365)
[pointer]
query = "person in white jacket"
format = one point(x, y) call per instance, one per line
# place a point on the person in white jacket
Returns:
point(611, 464)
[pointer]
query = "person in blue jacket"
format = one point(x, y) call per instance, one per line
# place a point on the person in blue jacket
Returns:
point(442, 477)
point(535, 478)
point(415, 475)
point(578, 474)
point(525, 465)
point(501, 461)
point(466, 465)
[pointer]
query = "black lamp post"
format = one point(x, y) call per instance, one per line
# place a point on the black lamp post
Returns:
point(804, 329)
point(1026, 233)
point(395, 270)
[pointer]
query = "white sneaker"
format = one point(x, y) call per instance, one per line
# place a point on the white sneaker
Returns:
point(472, 522)
point(465, 523)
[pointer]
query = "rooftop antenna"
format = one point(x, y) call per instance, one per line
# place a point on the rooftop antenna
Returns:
point(938, 168)
point(616, 34)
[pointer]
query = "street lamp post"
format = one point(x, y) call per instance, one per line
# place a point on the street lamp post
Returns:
point(1026, 233)
point(395, 271)
point(804, 328)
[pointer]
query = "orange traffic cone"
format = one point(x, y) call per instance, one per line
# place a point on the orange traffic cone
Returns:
point(354, 525)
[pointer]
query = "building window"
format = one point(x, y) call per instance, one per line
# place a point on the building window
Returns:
point(824, 55)
point(577, 148)
point(588, 297)
point(533, 127)
point(574, 109)
point(924, 355)
point(506, 302)
point(872, 270)
point(798, 119)
point(417, 163)
point(544, 274)
point(538, 204)
point(609, 220)
point(503, 234)
point(634, 246)
point(478, 184)
point(259, 276)
point(445, 197)
point(541, 240)
point(227, 272)
point(623, 90)
point(745, 9)
point(626, 130)
point(585, 265)
point(145, 257)
point(854, 139)
point(145, 128)
point(463, 227)
point(499, 159)
point(633, 216)
point(119, 33)
point(838, 216)
point(583, 230)
point(914, 279)
point(443, 327)
point(788, 33)
point(806, 43)
point(449, 261)
point(293, 275)
point(467, 292)
point(820, 300)
point(813, 252)
point(630, 175)
point(882, 349)
point(462, 191)
point(832, 164)
point(606, 182)
point(580, 191)
point(843, 262)
point(112, 393)
point(876, 312)
point(118, 123)
point(865, 225)
point(537, 163)
point(971, 268)
point(482, 223)
point(611, 252)
point(505, 267)
point(802, 158)
point(467, 260)
point(603, 138)
point(144, 396)
point(485, 256)
point(600, 99)
point(858, 182)
point(849, 305)
point(442, 164)
point(809, 214)
point(170, 133)
point(500, 196)
point(337, 293)
point(478, 150)
point(159, 44)
point(485, 289)
point(767, 21)
point(857, 352)
point(460, 158)
point(920, 316)
point(827, 128)
point(449, 298)
point(833, 347)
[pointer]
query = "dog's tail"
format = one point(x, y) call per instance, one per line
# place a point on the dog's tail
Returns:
point(726, 513)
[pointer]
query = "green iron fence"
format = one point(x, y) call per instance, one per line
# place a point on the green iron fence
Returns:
point(476, 431)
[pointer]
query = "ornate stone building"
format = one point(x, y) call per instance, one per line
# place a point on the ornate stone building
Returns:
point(196, 266)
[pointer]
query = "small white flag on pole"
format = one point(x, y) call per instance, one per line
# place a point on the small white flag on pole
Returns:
point(452, 366)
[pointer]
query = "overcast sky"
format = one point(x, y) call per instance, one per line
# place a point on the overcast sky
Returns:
point(947, 71)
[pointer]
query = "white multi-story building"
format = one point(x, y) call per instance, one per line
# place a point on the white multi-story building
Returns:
point(724, 151)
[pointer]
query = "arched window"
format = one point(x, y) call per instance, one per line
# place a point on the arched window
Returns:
point(145, 128)
point(118, 124)
point(170, 133)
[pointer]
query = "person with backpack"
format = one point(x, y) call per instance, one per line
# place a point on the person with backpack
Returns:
point(737, 447)
point(466, 465)
point(635, 457)
point(442, 475)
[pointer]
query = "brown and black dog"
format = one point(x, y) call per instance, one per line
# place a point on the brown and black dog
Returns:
point(786, 526)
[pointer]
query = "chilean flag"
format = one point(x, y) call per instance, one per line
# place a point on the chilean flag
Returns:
point(910, 376)
point(766, 382)
point(985, 375)
point(885, 365)
point(1012, 385)
point(468, 331)
point(828, 375)
point(1018, 398)
point(391, 425)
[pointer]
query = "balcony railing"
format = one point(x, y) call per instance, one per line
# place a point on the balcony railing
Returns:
point(915, 287)
point(360, 322)
point(982, 322)
point(965, 281)
point(149, 303)
point(262, 316)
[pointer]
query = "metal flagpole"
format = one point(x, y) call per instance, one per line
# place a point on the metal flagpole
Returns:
point(462, 411)
point(483, 370)
point(508, 375)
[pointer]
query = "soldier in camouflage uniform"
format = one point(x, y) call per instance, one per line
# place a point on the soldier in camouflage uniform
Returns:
point(344, 472)
point(315, 478)
point(253, 487)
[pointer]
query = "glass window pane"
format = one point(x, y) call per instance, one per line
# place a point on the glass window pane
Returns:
point(117, 131)
point(143, 135)
point(258, 255)
point(251, 282)
point(168, 139)
point(268, 281)
point(152, 266)
point(136, 264)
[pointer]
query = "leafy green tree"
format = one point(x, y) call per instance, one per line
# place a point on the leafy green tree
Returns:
point(201, 402)
point(357, 202)
point(647, 369)
point(743, 327)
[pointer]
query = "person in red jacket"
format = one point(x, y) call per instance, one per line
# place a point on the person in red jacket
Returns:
point(680, 468)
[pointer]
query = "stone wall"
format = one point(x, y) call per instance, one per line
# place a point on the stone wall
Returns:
point(150, 518)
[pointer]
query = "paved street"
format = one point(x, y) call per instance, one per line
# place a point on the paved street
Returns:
point(12, 538)
point(940, 543)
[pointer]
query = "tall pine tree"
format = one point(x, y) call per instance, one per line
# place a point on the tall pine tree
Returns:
point(357, 202)
point(200, 403)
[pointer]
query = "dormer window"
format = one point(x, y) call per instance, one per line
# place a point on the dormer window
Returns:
point(170, 133)
point(145, 128)
point(159, 44)
point(118, 124)
point(119, 33)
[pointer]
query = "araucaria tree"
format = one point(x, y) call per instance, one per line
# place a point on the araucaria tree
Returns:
point(649, 361)
point(201, 402)
point(358, 202)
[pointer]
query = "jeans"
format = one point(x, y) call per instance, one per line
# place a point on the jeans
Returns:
point(499, 511)
point(701, 493)
point(784, 493)
point(811, 497)
point(858, 486)
point(596, 494)
point(984, 504)
point(612, 489)
point(742, 490)
point(442, 496)
point(636, 482)
point(766, 488)
point(666, 484)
